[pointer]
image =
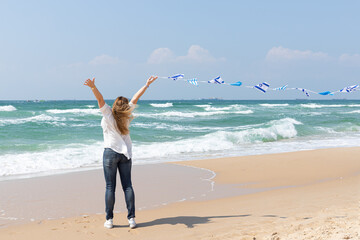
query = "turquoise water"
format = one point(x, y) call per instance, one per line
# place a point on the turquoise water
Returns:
point(52, 136)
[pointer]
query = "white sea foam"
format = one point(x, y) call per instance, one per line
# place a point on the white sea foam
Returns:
point(219, 140)
point(211, 108)
point(218, 108)
point(161, 105)
point(274, 105)
point(74, 111)
point(227, 108)
point(189, 114)
point(203, 105)
point(355, 111)
point(83, 125)
point(42, 118)
point(8, 108)
point(68, 157)
point(314, 105)
point(209, 111)
point(325, 129)
point(182, 127)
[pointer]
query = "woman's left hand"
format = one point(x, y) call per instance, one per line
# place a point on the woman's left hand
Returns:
point(151, 80)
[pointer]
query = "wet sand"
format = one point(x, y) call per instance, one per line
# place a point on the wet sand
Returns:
point(78, 193)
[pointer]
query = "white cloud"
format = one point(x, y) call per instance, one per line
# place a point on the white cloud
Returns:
point(161, 55)
point(350, 58)
point(195, 54)
point(281, 53)
point(104, 60)
point(198, 54)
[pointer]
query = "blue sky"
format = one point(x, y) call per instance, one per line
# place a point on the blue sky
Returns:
point(48, 48)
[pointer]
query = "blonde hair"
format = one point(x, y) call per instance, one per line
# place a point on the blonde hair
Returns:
point(122, 113)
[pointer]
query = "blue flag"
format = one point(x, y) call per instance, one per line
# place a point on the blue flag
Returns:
point(326, 93)
point(281, 88)
point(236, 84)
point(193, 81)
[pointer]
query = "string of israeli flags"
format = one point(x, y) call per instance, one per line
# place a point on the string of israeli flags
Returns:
point(263, 87)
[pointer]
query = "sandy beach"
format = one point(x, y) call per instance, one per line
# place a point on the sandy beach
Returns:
point(299, 195)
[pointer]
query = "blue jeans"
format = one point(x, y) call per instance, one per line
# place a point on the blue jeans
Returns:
point(113, 161)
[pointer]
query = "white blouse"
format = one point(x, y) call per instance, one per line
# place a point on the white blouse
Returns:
point(112, 137)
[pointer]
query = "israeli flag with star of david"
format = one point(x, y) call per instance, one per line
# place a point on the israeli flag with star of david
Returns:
point(350, 89)
point(262, 87)
point(217, 80)
point(176, 77)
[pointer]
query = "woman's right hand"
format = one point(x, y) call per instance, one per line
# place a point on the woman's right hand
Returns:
point(151, 80)
point(90, 83)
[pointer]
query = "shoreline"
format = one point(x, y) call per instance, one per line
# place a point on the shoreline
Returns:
point(56, 172)
point(293, 194)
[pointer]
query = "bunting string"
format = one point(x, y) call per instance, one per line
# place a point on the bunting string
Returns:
point(263, 87)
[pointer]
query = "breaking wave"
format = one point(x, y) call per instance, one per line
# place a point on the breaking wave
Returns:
point(8, 108)
point(161, 105)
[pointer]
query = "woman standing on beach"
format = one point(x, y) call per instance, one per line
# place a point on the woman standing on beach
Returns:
point(118, 148)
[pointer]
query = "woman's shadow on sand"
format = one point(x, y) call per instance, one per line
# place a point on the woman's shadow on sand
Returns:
point(189, 221)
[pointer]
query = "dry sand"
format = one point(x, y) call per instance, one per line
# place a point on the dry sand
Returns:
point(302, 195)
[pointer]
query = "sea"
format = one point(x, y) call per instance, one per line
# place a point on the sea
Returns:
point(52, 137)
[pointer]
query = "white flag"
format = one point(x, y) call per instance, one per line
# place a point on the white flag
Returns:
point(304, 91)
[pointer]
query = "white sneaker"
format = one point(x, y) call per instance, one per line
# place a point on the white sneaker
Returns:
point(109, 223)
point(132, 223)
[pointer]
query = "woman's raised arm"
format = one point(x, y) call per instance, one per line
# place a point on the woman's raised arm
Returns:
point(91, 83)
point(142, 90)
